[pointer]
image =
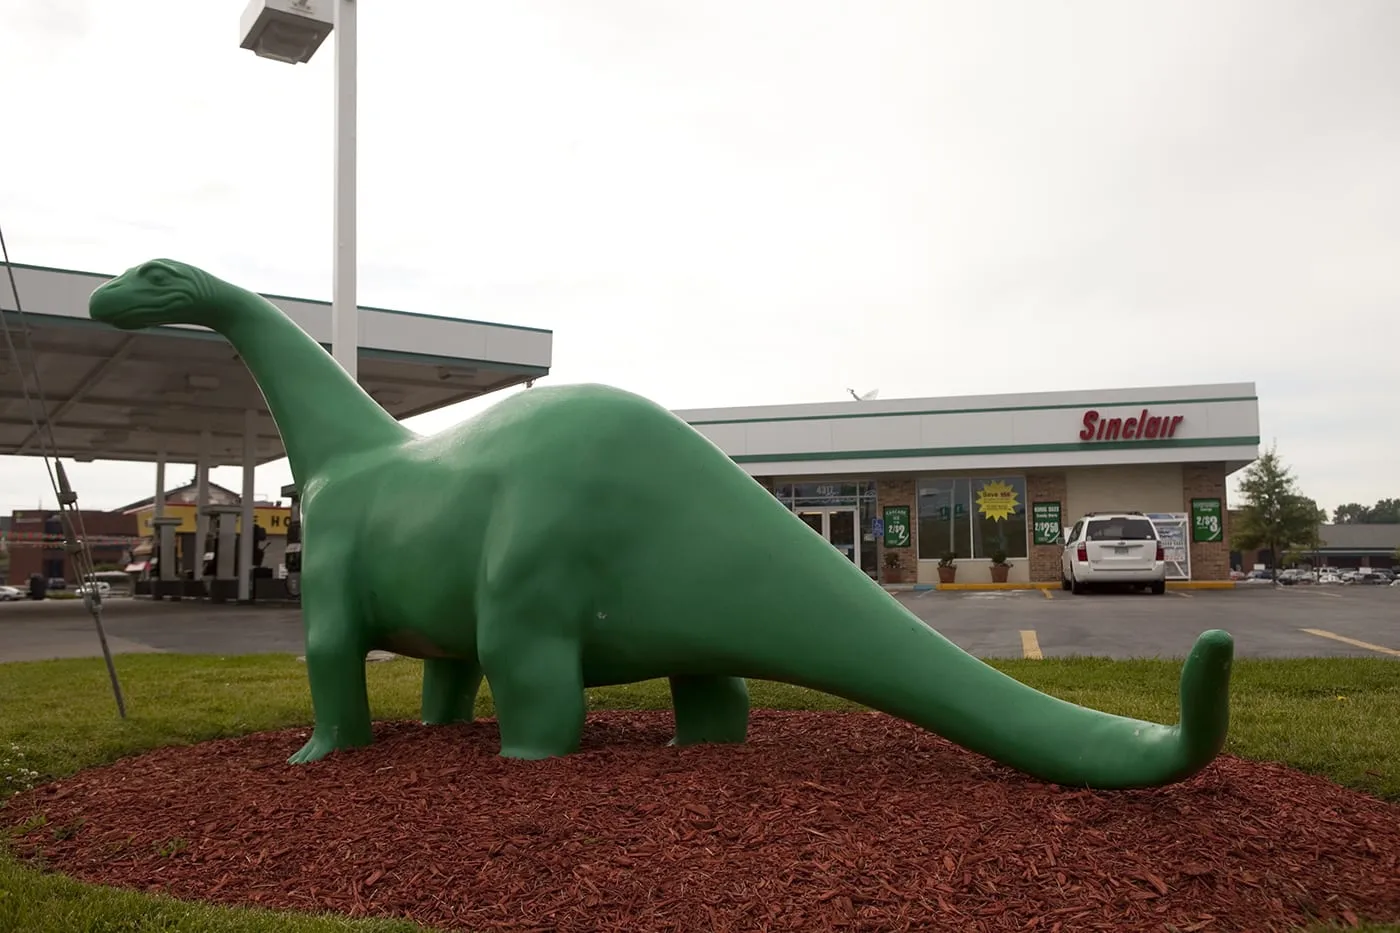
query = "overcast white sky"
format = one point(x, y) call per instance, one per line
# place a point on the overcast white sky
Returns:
point(768, 202)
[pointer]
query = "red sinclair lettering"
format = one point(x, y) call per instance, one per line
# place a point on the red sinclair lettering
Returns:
point(1143, 427)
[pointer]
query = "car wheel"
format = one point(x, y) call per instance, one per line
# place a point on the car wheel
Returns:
point(1159, 587)
point(1075, 586)
point(1064, 583)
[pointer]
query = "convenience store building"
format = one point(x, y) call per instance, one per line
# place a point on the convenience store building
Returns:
point(920, 479)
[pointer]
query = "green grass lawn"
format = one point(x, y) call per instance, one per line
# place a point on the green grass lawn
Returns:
point(1338, 717)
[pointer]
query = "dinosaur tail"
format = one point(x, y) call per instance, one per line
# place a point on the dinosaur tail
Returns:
point(842, 634)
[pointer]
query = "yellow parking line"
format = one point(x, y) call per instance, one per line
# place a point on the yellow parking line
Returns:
point(1030, 645)
point(1349, 641)
point(1046, 594)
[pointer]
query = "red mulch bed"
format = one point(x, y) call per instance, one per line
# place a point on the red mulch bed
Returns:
point(825, 821)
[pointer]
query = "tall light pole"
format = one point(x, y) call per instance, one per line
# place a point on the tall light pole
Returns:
point(291, 31)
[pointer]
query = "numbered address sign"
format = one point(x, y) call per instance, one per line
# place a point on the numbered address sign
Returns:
point(1207, 523)
point(1046, 516)
point(897, 531)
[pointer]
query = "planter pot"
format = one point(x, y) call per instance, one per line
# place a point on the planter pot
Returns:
point(947, 574)
point(999, 572)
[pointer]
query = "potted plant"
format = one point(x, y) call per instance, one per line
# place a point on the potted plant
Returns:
point(1000, 568)
point(947, 572)
point(893, 572)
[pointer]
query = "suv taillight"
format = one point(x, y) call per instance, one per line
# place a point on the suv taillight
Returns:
point(1082, 555)
point(1161, 551)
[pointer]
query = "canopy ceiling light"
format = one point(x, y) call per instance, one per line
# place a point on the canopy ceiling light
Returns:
point(287, 31)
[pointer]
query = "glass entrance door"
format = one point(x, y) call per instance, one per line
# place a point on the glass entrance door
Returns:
point(840, 527)
point(841, 532)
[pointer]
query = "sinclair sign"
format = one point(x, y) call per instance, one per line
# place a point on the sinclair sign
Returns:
point(1145, 426)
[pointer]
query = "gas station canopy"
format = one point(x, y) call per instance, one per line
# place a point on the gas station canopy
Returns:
point(124, 395)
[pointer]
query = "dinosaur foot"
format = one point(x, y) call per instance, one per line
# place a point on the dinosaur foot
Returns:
point(320, 745)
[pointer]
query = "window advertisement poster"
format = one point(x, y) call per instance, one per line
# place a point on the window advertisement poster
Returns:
point(897, 528)
point(1047, 522)
point(1207, 524)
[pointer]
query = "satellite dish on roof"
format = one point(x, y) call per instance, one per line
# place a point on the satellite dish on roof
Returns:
point(866, 397)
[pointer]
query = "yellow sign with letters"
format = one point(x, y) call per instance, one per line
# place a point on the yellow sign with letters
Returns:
point(273, 519)
point(997, 500)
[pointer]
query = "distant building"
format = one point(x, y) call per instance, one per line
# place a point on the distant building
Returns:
point(183, 503)
point(186, 495)
point(120, 538)
point(1346, 546)
point(35, 542)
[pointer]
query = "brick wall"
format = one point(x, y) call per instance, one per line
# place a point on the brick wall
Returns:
point(1209, 561)
point(900, 490)
point(27, 560)
point(1045, 486)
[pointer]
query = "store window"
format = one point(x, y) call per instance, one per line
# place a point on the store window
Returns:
point(999, 516)
point(943, 524)
point(972, 517)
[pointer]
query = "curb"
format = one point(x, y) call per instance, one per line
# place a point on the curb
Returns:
point(923, 587)
point(997, 586)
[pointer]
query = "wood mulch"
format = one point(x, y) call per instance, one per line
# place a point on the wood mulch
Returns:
point(825, 821)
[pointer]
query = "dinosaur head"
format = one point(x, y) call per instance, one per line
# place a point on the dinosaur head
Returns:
point(161, 291)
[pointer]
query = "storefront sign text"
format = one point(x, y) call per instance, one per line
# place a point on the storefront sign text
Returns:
point(897, 529)
point(273, 519)
point(1047, 522)
point(1207, 525)
point(1143, 427)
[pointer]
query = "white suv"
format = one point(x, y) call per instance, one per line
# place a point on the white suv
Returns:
point(1113, 547)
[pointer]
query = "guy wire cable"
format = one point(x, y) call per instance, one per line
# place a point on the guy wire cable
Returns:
point(75, 539)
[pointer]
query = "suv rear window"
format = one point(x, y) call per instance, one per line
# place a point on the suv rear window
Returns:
point(1120, 529)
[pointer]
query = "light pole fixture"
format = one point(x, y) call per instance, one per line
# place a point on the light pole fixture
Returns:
point(291, 31)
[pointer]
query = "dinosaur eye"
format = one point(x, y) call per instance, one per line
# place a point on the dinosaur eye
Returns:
point(156, 275)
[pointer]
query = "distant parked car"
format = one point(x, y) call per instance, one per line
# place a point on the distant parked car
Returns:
point(8, 593)
point(1368, 577)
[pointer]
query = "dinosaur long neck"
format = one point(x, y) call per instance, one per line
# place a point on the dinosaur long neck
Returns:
point(319, 410)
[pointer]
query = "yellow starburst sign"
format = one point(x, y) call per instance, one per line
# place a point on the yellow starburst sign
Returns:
point(996, 500)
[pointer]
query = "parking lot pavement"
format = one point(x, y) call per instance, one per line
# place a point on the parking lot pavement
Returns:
point(1266, 621)
point(63, 628)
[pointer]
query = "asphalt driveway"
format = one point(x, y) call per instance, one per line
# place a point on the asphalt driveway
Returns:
point(1266, 621)
point(1274, 622)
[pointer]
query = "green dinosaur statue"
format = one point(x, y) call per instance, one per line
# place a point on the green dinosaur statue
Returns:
point(570, 537)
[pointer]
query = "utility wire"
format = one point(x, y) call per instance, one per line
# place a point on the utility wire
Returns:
point(74, 533)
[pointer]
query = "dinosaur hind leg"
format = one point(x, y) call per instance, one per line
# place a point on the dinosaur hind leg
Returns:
point(536, 677)
point(710, 708)
point(449, 690)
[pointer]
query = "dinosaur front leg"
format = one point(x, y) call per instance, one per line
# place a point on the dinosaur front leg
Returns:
point(336, 647)
point(710, 709)
point(339, 698)
point(450, 687)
